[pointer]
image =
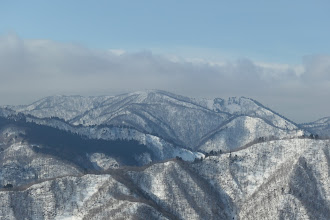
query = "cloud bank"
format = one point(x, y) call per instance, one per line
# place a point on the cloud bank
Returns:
point(32, 69)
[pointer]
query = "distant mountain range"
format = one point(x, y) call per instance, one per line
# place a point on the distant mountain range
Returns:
point(194, 124)
point(320, 127)
point(157, 155)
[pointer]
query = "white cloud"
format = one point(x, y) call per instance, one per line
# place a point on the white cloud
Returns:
point(31, 69)
point(117, 52)
point(317, 68)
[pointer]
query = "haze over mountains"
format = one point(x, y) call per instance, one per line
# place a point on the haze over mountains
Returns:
point(158, 155)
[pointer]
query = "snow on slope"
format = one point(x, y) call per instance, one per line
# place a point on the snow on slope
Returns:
point(86, 197)
point(173, 187)
point(282, 179)
point(161, 149)
point(103, 162)
point(156, 113)
point(64, 107)
point(243, 130)
point(320, 127)
point(20, 165)
point(169, 116)
point(274, 179)
point(185, 122)
point(250, 107)
point(5, 112)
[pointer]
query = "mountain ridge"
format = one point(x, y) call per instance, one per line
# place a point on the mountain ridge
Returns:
point(153, 112)
point(193, 159)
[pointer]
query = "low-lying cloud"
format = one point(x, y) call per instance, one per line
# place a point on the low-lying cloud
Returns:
point(32, 69)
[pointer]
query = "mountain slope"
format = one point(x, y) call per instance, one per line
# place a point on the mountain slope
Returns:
point(320, 127)
point(272, 180)
point(30, 153)
point(249, 107)
point(136, 156)
point(185, 122)
point(287, 174)
point(86, 197)
point(65, 107)
point(243, 130)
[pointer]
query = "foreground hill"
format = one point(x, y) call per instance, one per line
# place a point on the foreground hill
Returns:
point(286, 179)
point(84, 197)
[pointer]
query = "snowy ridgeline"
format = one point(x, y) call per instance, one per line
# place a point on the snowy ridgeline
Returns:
point(24, 162)
point(320, 127)
point(287, 179)
point(236, 133)
point(180, 120)
point(267, 169)
point(161, 149)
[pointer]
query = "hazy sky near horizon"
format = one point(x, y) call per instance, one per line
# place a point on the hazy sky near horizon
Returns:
point(277, 52)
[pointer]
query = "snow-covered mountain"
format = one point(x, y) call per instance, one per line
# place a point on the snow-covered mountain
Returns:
point(156, 155)
point(245, 106)
point(243, 130)
point(81, 197)
point(186, 122)
point(20, 164)
point(285, 179)
point(320, 127)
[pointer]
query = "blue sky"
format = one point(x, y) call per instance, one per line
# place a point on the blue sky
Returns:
point(270, 31)
point(277, 52)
